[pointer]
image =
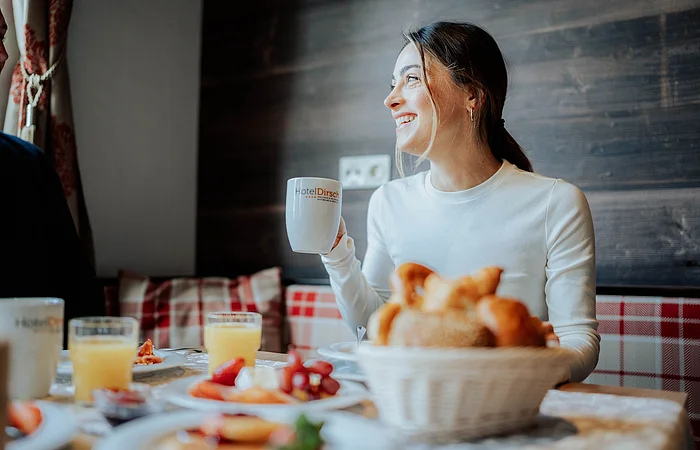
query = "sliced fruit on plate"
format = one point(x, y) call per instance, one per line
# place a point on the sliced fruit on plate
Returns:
point(233, 382)
point(308, 383)
point(25, 416)
point(227, 373)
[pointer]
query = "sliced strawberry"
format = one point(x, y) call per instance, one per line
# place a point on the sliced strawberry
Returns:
point(330, 385)
point(227, 373)
point(294, 359)
point(323, 368)
point(24, 416)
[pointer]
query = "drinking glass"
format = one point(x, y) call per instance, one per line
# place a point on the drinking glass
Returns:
point(103, 351)
point(229, 335)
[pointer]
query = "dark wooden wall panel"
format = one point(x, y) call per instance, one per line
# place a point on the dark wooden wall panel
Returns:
point(605, 94)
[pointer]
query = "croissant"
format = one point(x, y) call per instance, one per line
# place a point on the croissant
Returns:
point(428, 310)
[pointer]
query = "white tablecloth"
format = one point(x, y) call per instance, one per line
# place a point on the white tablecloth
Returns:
point(569, 420)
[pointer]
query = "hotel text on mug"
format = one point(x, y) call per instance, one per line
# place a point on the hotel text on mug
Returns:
point(325, 195)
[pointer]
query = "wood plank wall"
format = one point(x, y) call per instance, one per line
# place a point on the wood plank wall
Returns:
point(604, 94)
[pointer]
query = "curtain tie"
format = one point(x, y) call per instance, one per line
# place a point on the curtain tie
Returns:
point(35, 86)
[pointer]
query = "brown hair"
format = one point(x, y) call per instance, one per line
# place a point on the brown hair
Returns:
point(474, 60)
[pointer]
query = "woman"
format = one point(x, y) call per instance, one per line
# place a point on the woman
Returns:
point(479, 204)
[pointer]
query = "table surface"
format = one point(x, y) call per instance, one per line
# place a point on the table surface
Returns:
point(85, 441)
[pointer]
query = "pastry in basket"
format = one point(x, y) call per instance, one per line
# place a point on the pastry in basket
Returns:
point(226, 432)
point(146, 356)
point(233, 382)
point(427, 310)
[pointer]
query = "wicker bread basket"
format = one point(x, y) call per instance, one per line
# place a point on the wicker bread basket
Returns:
point(443, 395)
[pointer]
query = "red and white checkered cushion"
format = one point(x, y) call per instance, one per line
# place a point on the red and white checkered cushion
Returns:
point(313, 318)
point(172, 312)
point(651, 342)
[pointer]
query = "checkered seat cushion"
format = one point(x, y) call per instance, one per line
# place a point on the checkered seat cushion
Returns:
point(172, 312)
point(313, 319)
point(651, 342)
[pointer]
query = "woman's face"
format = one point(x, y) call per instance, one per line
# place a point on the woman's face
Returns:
point(410, 104)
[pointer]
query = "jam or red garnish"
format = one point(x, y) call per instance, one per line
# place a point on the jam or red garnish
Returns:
point(126, 398)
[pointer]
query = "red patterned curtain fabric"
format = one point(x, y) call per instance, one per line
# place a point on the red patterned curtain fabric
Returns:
point(39, 108)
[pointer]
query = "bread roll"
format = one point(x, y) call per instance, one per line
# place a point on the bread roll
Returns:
point(510, 322)
point(427, 310)
point(446, 329)
point(442, 294)
point(487, 280)
point(405, 283)
point(380, 323)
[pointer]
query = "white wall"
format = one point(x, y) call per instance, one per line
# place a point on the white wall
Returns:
point(134, 69)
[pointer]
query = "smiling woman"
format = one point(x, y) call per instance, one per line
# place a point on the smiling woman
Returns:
point(479, 205)
point(447, 86)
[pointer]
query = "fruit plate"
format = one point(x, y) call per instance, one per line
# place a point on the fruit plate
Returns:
point(177, 393)
point(341, 430)
point(58, 426)
point(170, 361)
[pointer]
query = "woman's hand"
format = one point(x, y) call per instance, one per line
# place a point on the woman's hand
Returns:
point(550, 336)
point(341, 232)
point(547, 330)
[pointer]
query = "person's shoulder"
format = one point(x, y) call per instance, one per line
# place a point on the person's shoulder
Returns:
point(14, 150)
point(531, 179)
point(568, 195)
point(558, 187)
point(559, 192)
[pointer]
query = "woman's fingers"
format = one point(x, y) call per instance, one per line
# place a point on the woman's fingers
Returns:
point(549, 335)
point(341, 232)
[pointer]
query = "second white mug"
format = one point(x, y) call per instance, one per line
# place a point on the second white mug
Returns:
point(312, 213)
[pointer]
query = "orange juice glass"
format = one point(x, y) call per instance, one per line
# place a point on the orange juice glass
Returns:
point(229, 335)
point(102, 351)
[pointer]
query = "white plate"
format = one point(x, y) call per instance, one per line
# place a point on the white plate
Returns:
point(58, 426)
point(343, 351)
point(342, 430)
point(347, 370)
point(170, 360)
point(177, 393)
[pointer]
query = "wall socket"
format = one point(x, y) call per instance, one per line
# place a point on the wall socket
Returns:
point(364, 172)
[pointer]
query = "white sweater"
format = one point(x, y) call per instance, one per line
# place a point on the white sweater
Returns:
point(538, 229)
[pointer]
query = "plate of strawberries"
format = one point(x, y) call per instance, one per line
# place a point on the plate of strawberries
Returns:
point(235, 388)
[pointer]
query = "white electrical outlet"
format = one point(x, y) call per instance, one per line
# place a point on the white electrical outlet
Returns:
point(364, 172)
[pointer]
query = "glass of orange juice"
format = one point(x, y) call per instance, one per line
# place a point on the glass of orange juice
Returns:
point(102, 351)
point(229, 335)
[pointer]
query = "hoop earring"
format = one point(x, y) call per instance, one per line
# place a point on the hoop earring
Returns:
point(471, 115)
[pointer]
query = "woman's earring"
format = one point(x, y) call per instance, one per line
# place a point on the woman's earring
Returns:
point(471, 115)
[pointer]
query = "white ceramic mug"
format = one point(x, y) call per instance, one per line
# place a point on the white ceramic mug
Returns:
point(313, 213)
point(34, 329)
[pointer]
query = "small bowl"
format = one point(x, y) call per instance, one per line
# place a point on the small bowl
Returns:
point(123, 405)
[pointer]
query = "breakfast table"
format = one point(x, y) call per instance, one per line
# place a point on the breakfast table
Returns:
point(575, 416)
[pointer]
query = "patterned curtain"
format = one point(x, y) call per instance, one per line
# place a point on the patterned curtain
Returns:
point(39, 107)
